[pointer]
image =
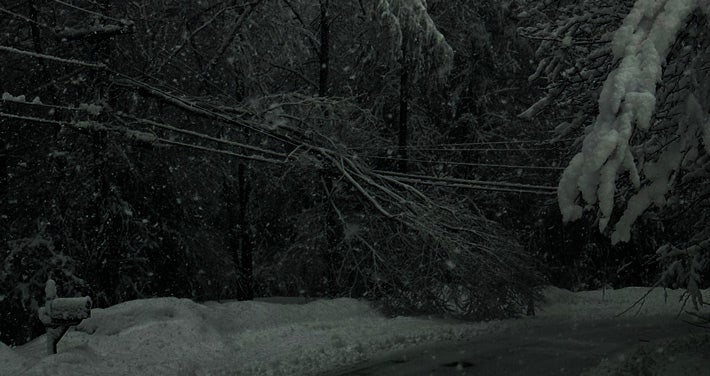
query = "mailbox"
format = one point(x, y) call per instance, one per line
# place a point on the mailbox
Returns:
point(65, 311)
point(58, 314)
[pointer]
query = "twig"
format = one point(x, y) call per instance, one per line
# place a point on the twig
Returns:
point(52, 58)
point(640, 302)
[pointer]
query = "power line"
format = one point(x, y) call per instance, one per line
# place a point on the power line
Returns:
point(452, 149)
point(469, 181)
point(477, 149)
point(191, 106)
point(470, 164)
point(469, 184)
point(536, 142)
point(479, 143)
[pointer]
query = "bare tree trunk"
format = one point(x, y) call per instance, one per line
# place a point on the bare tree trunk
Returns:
point(246, 247)
point(530, 308)
point(239, 240)
point(403, 128)
point(33, 13)
point(4, 177)
point(332, 224)
point(324, 52)
point(229, 199)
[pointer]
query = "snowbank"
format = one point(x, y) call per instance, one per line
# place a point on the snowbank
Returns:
point(610, 303)
point(10, 361)
point(170, 336)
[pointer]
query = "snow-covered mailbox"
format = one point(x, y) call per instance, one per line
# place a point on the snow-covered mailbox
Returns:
point(58, 314)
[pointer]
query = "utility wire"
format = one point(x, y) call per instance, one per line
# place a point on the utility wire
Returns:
point(194, 107)
point(413, 148)
point(467, 181)
point(206, 137)
point(469, 184)
point(537, 142)
point(476, 149)
point(480, 143)
point(471, 164)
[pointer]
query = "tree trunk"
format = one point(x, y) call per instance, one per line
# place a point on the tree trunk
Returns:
point(239, 239)
point(324, 53)
point(403, 129)
point(230, 212)
point(106, 277)
point(245, 239)
point(4, 177)
point(332, 224)
point(33, 13)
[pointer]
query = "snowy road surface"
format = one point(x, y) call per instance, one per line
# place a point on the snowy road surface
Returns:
point(546, 347)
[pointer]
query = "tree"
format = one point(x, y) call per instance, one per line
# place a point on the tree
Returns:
point(420, 50)
point(147, 129)
point(645, 146)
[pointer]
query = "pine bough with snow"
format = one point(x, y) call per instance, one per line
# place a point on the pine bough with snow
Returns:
point(648, 147)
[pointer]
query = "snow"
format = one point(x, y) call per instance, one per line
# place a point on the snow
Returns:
point(50, 289)
point(609, 303)
point(9, 97)
point(404, 18)
point(141, 136)
point(626, 102)
point(11, 361)
point(567, 190)
point(91, 108)
point(68, 308)
point(659, 173)
point(170, 336)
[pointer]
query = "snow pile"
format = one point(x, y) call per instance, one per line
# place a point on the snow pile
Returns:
point(626, 102)
point(170, 336)
point(10, 361)
point(610, 303)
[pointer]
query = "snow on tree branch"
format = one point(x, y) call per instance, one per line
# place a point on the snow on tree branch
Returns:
point(574, 51)
point(414, 31)
point(626, 105)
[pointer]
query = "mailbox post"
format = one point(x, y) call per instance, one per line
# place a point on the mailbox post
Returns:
point(58, 314)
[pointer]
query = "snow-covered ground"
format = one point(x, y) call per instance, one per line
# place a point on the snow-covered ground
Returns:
point(169, 336)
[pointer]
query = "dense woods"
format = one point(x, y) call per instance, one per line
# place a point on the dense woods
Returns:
point(440, 156)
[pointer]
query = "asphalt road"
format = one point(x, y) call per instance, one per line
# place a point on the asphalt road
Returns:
point(539, 347)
